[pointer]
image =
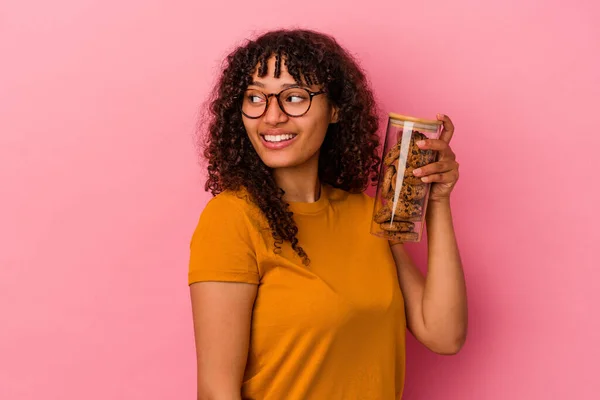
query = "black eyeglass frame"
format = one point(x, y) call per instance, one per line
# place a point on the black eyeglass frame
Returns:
point(311, 94)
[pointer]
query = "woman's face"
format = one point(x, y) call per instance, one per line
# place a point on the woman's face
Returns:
point(282, 141)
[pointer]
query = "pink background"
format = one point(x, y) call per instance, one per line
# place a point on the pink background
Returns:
point(100, 186)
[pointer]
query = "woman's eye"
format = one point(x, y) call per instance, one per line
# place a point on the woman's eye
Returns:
point(255, 99)
point(295, 98)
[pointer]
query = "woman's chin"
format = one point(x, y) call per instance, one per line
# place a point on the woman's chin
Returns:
point(279, 164)
point(280, 161)
point(288, 158)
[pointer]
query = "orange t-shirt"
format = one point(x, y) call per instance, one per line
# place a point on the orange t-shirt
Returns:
point(332, 330)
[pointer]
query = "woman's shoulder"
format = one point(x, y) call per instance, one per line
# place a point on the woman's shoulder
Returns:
point(226, 199)
point(233, 205)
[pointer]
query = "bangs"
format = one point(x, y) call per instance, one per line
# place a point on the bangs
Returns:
point(304, 70)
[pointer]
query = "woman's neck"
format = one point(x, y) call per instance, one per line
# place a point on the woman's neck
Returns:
point(301, 183)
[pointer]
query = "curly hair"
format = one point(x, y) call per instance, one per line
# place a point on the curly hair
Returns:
point(349, 154)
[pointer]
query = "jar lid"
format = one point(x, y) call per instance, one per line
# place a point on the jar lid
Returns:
point(413, 119)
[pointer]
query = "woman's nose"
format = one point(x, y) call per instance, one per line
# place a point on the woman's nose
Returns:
point(274, 114)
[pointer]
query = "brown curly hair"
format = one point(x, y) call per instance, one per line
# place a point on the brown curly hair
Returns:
point(349, 155)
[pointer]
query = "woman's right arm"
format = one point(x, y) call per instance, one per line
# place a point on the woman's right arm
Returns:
point(222, 312)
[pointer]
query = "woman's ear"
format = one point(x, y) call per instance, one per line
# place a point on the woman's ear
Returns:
point(335, 114)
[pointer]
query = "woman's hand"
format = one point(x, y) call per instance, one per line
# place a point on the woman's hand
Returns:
point(442, 174)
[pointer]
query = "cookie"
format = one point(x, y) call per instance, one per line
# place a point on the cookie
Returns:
point(386, 185)
point(418, 158)
point(413, 192)
point(393, 184)
point(392, 154)
point(385, 214)
point(407, 211)
point(397, 226)
point(403, 236)
point(416, 135)
point(410, 178)
point(408, 192)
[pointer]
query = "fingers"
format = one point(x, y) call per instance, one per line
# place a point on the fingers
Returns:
point(436, 144)
point(448, 129)
point(437, 167)
point(445, 170)
point(445, 177)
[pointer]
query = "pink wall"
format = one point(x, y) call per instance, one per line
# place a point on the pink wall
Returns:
point(100, 187)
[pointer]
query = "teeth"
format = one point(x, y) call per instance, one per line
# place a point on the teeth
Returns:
point(278, 138)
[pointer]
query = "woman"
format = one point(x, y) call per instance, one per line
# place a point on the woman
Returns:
point(292, 297)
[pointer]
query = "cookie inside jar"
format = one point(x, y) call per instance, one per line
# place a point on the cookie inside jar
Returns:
point(401, 198)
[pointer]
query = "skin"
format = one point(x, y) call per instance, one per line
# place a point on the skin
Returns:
point(296, 166)
point(436, 306)
point(222, 313)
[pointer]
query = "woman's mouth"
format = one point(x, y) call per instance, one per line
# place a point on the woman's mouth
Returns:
point(276, 142)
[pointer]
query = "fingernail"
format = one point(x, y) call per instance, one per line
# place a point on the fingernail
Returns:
point(440, 116)
point(420, 143)
point(417, 172)
point(425, 179)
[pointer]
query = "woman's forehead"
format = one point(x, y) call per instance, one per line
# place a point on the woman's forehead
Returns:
point(272, 82)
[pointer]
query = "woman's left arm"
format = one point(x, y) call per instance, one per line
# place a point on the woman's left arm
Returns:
point(436, 305)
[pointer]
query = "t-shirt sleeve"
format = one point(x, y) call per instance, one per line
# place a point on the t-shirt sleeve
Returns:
point(221, 248)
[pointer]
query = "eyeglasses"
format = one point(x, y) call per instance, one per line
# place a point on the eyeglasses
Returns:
point(294, 101)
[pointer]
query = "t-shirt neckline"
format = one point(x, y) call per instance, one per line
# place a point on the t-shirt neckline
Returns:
point(299, 207)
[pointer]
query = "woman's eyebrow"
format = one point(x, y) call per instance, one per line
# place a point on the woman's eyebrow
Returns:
point(287, 85)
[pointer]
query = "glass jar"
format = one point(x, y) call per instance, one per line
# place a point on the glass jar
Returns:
point(401, 198)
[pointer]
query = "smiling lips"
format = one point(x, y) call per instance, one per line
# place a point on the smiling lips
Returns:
point(276, 139)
